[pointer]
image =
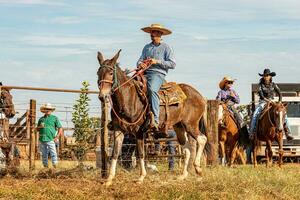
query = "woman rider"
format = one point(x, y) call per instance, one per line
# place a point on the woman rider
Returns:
point(229, 96)
point(266, 91)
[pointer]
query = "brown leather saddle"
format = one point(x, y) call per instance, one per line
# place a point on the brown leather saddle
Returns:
point(170, 93)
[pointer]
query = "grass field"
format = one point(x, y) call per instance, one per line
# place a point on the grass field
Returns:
point(243, 182)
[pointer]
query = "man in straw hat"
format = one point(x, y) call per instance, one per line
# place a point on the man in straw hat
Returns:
point(228, 95)
point(48, 125)
point(266, 91)
point(162, 59)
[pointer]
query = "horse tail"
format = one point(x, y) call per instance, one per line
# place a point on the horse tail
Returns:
point(244, 140)
point(202, 125)
point(203, 129)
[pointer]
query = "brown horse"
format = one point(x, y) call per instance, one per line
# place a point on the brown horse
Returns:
point(270, 128)
point(228, 136)
point(128, 115)
point(6, 103)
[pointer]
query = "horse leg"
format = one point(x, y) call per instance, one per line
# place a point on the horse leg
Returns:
point(255, 147)
point(201, 141)
point(240, 154)
point(222, 152)
point(232, 153)
point(118, 141)
point(183, 140)
point(280, 143)
point(141, 156)
point(267, 155)
point(270, 154)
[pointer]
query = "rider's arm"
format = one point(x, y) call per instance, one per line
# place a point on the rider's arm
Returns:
point(261, 94)
point(219, 96)
point(142, 57)
point(169, 61)
point(235, 98)
point(277, 90)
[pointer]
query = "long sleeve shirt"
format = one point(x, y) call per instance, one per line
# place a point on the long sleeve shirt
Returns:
point(224, 95)
point(266, 91)
point(162, 53)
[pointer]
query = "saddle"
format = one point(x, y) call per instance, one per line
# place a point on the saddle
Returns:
point(170, 93)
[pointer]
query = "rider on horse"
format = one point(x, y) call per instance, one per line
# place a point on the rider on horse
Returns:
point(266, 91)
point(162, 59)
point(229, 96)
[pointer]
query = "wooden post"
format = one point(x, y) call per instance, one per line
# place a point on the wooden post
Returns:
point(32, 115)
point(104, 139)
point(212, 132)
point(98, 148)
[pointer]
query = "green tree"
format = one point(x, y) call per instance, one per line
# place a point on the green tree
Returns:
point(82, 122)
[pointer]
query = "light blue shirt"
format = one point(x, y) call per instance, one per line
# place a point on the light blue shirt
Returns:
point(162, 53)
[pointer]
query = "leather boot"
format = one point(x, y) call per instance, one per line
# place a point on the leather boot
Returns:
point(288, 134)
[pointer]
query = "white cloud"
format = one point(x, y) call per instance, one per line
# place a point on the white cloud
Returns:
point(61, 20)
point(32, 2)
point(70, 40)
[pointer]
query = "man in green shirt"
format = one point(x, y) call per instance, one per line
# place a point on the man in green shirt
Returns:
point(48, 126)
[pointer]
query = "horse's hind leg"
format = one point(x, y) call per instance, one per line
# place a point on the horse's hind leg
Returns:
point(222, 152)
point(141, 156)
point(118, 141)
point(183, 140)
point(201, 140)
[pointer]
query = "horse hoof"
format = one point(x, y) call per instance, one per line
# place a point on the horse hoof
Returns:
point(182, 177)
point(199, 171)
point(108, 183)
point(140, 180)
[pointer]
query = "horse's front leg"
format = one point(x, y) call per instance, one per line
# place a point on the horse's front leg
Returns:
point(222, 152)
point(118, 141)
point(280, 143)
point(255, 148)
point(270, 154)
point(141, 155)
point(187, 155)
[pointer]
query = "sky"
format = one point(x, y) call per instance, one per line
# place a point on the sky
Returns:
point(52, 43)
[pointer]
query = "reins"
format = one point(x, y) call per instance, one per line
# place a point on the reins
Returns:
point(116, 86)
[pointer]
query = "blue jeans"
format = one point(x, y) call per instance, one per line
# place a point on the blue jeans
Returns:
point(257, 113)
point(46, 148)
point(171, 148)
point(154, 81)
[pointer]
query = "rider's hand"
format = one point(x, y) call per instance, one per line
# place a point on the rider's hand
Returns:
point(153, 61)
point(142, 66)
point(232, 94)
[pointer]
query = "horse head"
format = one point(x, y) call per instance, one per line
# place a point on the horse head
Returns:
point(106, 74)
point(278, 111)
point(6, 103)
point(222, 110)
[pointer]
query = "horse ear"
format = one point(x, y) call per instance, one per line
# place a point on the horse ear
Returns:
point(285, 104)
point(0, 83)
point(115, 58)
point(100, 58)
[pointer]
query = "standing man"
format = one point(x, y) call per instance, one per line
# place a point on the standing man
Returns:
point(162, 60)
point(48, 125)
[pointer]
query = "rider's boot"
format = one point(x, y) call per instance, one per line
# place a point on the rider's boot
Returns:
point(288, 133)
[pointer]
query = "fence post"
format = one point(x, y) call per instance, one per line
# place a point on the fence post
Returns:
point(104, 139)
point(32, 115)
point(212, 132)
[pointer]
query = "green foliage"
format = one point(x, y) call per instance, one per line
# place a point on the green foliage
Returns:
point(244, 110)
point(82, 122)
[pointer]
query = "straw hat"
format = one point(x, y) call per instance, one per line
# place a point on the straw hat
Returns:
point(46, 107)
point(224, 81)
point(157, 27)
point(267, 72)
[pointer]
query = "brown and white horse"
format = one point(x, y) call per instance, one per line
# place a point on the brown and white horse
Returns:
point(128, 115)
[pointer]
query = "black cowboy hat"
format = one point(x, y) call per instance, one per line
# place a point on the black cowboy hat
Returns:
point(267, 72)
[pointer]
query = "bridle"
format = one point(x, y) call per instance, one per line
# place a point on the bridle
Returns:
point(116, 86)
point(273, 124)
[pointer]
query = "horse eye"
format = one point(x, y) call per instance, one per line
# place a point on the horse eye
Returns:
point(110, 73)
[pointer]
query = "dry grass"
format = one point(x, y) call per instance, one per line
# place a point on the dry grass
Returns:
point(217, 183)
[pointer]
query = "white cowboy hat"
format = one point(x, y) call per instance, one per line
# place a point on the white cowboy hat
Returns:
point(47, 106)
point(157, 27)
point(224, 81)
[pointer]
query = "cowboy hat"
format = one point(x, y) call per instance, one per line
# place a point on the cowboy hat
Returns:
point(47, 106)
point(156, 27)
point(224, 81)
point(267, 72)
